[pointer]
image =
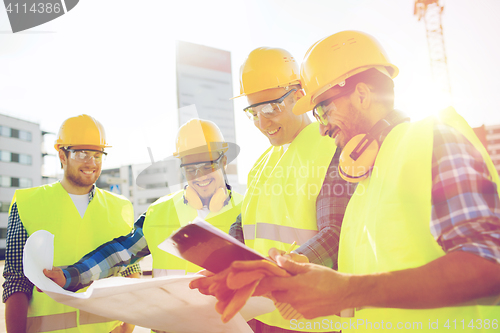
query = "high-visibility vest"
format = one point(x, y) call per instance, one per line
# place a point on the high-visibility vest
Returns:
point(49, 207)
point(386, 226)
point(168, 214)
point(279, 206)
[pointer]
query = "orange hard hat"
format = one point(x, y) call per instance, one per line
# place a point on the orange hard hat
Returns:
point(332, 60)
point(199, 136)
point(81, 130)
point(267, 68)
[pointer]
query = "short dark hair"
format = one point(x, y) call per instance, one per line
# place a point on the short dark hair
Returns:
point(65, 153)
point(381, 83)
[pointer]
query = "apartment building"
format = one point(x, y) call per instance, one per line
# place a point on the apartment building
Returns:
point(20, 163)
point(493, 144)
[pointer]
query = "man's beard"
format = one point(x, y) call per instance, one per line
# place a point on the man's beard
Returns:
point(360, 125)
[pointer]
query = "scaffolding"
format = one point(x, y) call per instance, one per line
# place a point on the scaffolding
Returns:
point(431, 12)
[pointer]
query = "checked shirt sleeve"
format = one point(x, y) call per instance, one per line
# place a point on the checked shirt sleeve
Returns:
point(15, 281)
point(331, 203)
point(108, 259)
point(465, 202)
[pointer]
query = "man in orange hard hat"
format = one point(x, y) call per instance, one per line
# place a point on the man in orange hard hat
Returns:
point(420, 240)
point(78, 214)
point(289, 198)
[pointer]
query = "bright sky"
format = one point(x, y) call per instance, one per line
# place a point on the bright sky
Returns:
point(115, 60)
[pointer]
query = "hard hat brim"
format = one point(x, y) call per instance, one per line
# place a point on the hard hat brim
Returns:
point(303, 105)
point(168, 169)
point(241, 95)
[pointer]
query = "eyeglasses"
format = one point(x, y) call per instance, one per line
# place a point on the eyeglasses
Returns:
point(190, 170)
point(323, 109)
point(85, 155)
point(268, 109)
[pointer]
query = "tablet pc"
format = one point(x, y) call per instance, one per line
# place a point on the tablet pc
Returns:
point(206, 246)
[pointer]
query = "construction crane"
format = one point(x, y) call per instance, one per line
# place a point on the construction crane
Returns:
point(431, 11)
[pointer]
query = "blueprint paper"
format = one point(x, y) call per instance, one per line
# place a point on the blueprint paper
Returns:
point(164, 303)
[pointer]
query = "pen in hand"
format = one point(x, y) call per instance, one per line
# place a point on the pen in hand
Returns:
point(290, 249)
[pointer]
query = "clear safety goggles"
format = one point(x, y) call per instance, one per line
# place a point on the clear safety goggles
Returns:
point(268, 109)
point(85, 155)
point(323, 109)
point(190, 170)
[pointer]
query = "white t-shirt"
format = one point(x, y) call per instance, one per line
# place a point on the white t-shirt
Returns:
point(81, 202)
point(202, 213)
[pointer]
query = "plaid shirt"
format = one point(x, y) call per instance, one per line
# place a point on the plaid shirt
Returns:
point(465, 205)
point(331, 203)
point(15, 281)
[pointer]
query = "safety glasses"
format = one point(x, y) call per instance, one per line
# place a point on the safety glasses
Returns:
point(85, 155)
point(190, 170)
point(323, 109)
point(268, 109)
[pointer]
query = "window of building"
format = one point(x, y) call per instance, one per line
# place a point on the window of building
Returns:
point(156, 185)
point(5, 131)
point(143, 201)
point(4, 156)
point(3, 233)
point(25, 182)
point(6, 181)
point(25, 159)
point(14, 182)
point(4, 206)
point(15, 133)
point(492, 142)
point(25, 135)
point(7, 156)
point(14, 157)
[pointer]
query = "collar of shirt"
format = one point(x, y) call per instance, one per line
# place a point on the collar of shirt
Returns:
point(92, 193)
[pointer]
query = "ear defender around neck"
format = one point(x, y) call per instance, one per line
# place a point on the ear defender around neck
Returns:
point(192, 198)
point(359, 154)
point(218, 200)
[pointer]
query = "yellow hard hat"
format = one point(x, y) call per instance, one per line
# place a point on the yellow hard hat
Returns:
point(199, 136)
point(81, 130)
point(331, 60)
point(267, 68)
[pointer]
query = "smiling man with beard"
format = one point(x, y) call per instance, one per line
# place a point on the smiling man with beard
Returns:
point(80, 215)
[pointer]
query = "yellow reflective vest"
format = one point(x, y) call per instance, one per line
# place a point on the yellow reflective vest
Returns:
point(168, 214)
point(279, 206)
point(49, 207)
point(386, 227)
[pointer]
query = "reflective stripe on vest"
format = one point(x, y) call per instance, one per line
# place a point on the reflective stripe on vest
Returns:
point(157, 272)
point(167, 215)
point(50, 323)
point(62, 321)
point(386, 224)
point(280, 203)
point(50, 208)
point(279, 233)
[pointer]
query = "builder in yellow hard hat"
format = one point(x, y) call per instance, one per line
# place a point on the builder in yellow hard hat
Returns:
point(420, 245)
point(202, 154)
point(78, 214)
point(289, 198)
